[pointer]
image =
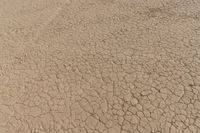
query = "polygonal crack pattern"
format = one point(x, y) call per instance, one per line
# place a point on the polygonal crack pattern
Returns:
point(99, 66)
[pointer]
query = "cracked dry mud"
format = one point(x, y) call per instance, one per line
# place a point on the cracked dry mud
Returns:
point(99, 66)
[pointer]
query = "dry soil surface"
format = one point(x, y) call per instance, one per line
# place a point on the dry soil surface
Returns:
point(99, 66)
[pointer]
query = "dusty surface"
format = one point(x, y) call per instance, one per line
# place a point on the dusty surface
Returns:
point(99, 66)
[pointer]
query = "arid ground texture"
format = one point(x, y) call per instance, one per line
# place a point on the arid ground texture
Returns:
point(99, 66)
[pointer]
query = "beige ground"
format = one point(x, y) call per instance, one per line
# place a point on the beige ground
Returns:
point(99, 66)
